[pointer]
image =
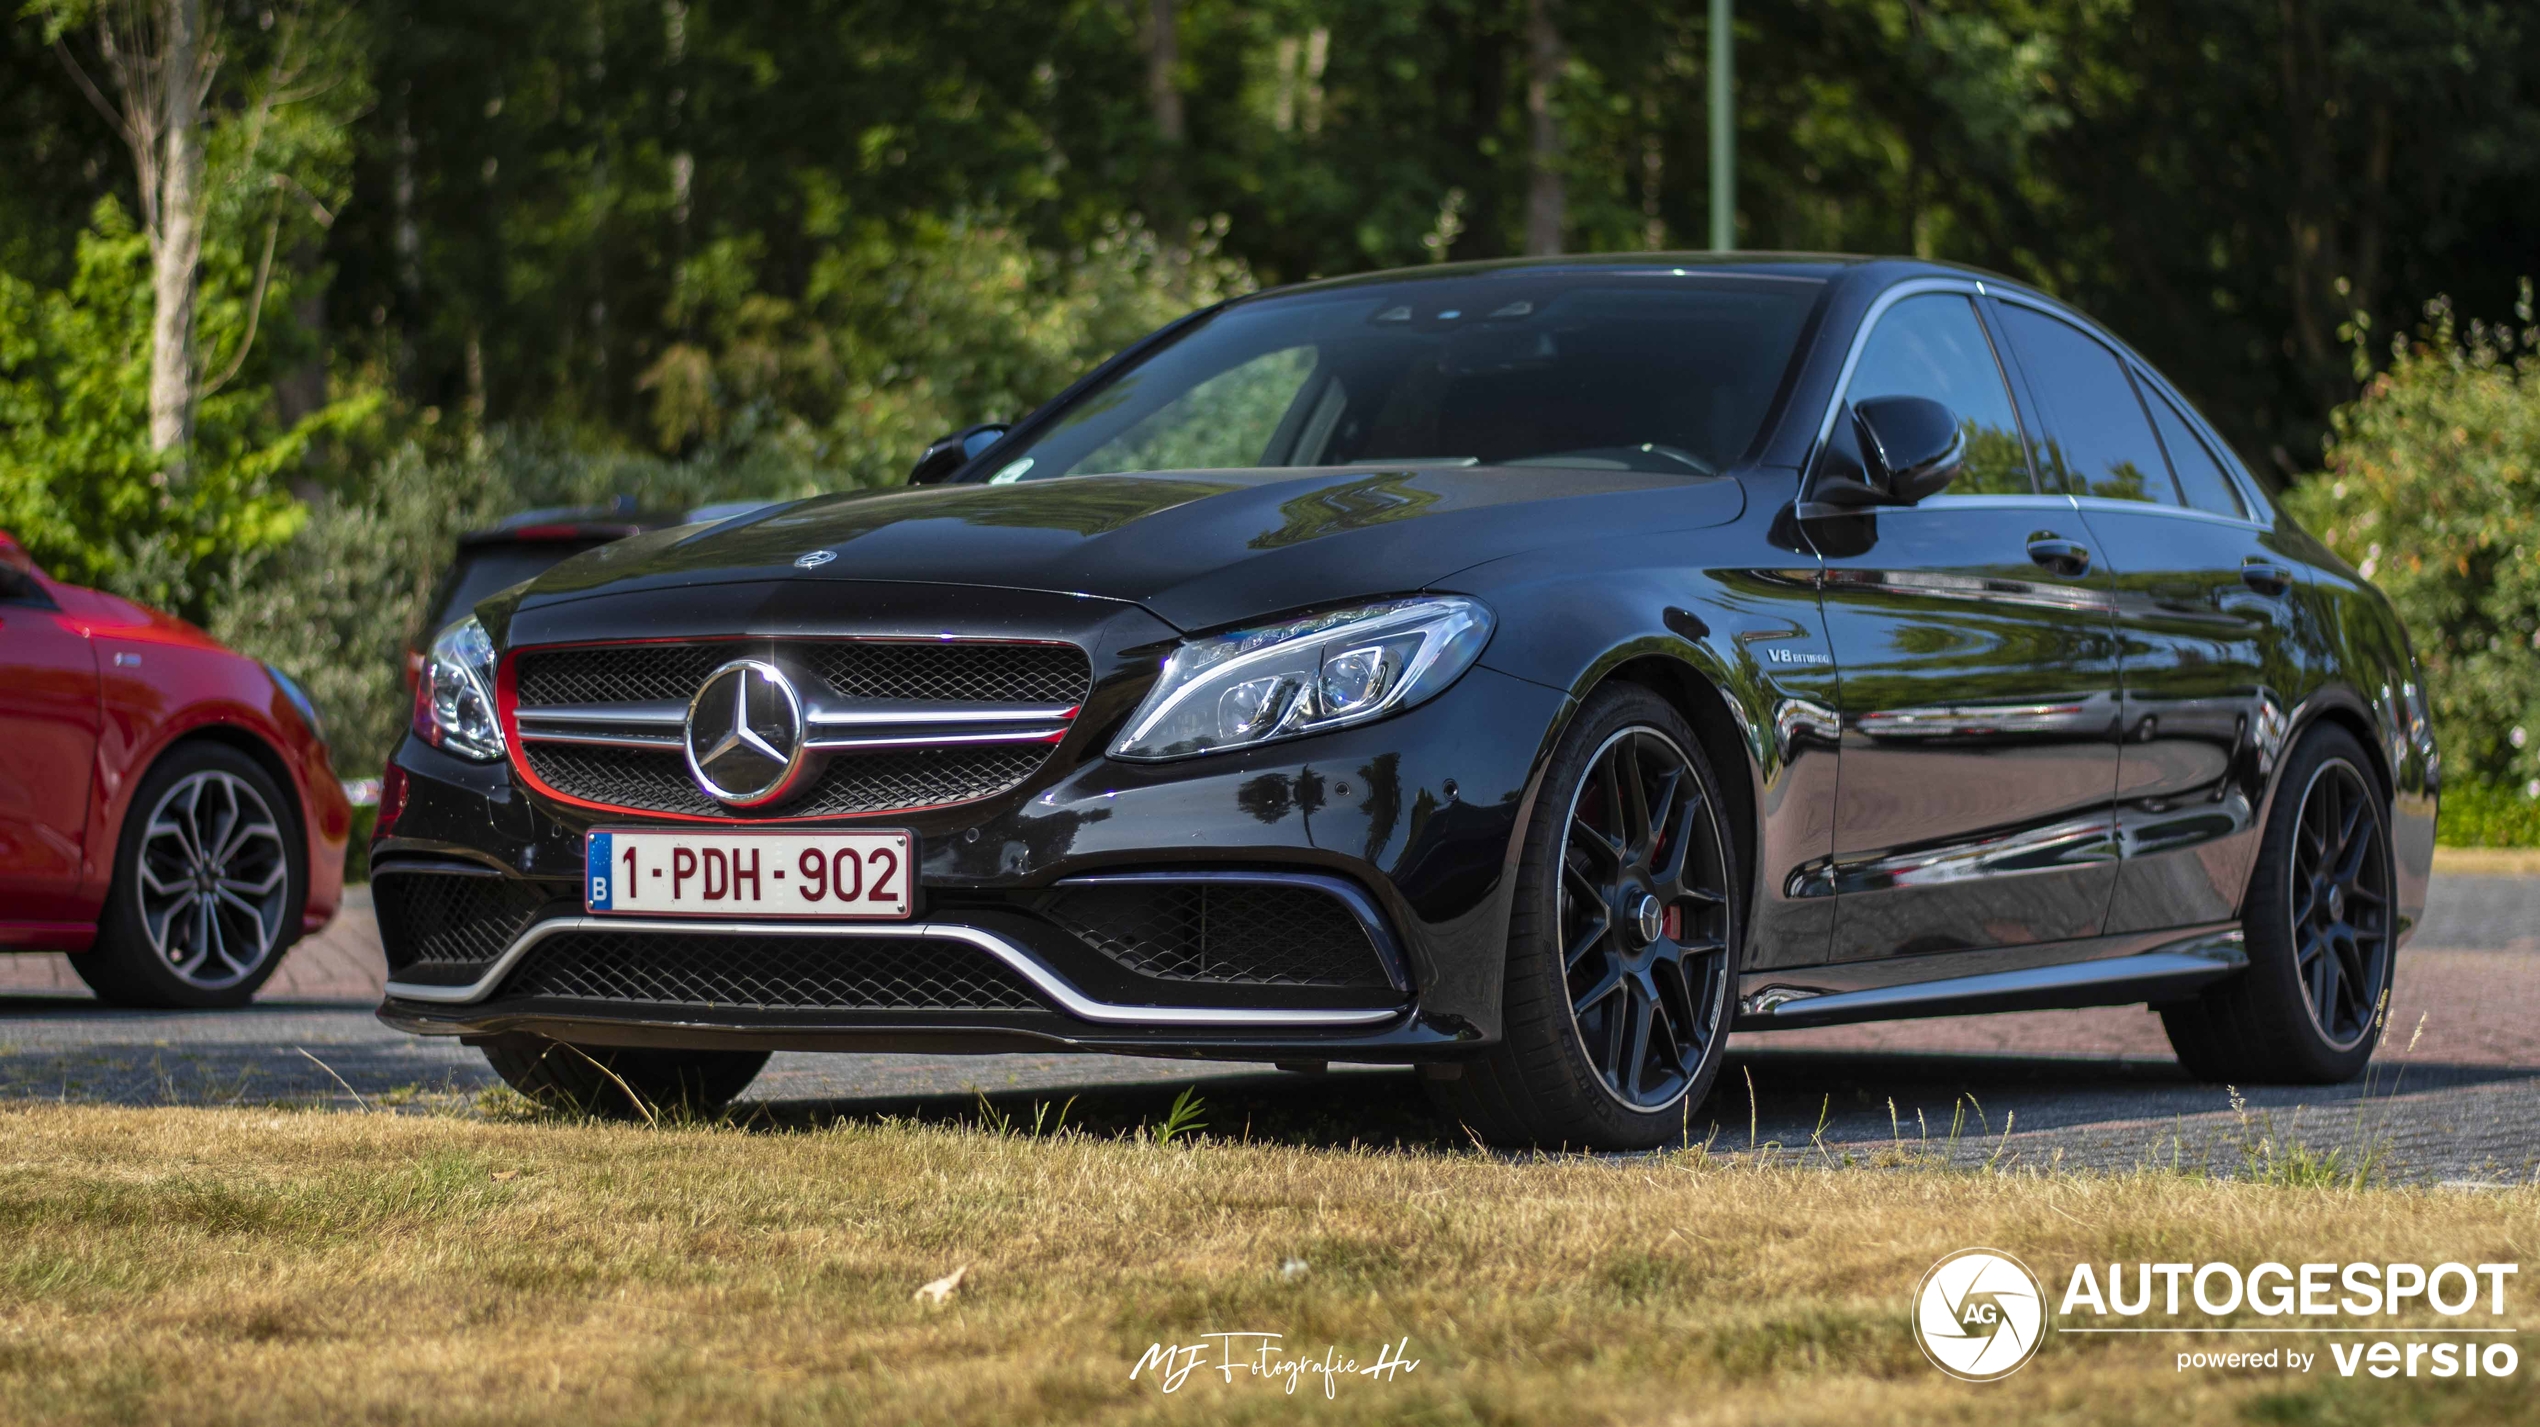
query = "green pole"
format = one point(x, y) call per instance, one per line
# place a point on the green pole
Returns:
point(1723, 134)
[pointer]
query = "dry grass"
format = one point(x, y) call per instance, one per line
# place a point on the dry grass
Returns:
point(2492, 861)
point(243, 1266)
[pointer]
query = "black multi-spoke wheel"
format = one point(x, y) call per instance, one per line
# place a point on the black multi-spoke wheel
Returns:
point(2319, 924)
point(1622, 942)
point(208, 885)
point(1643, 900)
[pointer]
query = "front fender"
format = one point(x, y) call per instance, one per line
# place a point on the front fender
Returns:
point(1741, 648)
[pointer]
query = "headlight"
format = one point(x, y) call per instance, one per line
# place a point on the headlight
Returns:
point(1304, 676)
point(454, 696)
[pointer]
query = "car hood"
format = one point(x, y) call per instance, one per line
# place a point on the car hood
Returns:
point(1199, 549)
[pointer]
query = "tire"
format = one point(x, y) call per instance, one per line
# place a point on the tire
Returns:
point(210, 881)
point(597, 1080)
point(1567, 1075)
point(2309, 1009)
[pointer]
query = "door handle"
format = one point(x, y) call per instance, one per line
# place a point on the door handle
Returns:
point(2264, 576)
point(2068, 558)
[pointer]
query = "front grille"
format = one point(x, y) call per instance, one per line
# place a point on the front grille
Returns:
point(958, 672)
point(769, 973)
point(953, 671)
point(1233, 933)
point(632, 673)
point(646, 781)
point(447, 919)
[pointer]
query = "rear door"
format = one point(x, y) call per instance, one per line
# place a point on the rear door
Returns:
point(48, 752)
point(2204, 609)
point(1978, 674)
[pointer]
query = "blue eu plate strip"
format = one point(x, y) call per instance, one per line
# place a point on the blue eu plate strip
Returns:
point(595, 861)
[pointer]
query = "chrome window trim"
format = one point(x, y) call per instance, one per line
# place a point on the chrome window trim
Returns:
point(1349, 894)
point(1911, 287)
point(1066, 997)
point(1946, 501)
point(2184, 512)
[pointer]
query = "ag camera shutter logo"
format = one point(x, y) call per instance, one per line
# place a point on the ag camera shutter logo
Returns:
point(1979, 1315)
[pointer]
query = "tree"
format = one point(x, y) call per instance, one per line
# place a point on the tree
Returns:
point(161, 61)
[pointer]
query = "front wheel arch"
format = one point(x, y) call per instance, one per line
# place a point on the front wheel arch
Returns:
point(1706, 706)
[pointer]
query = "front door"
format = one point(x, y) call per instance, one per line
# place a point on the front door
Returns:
point(1977, 668)
point(48, 746)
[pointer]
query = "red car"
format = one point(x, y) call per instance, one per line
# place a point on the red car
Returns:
point(167, 812)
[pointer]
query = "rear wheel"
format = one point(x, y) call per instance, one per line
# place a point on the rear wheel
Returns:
point(2320, 931)
point(1621, 956)
point(618, 1082)
point(209, 884)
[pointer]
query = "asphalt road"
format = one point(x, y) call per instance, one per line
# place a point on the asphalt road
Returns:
point(2452, 1097)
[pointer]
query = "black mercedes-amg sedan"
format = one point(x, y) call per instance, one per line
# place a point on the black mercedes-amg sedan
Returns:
point(1528, 671)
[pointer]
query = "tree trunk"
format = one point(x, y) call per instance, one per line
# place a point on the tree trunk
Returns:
point(1164, 53)
point(179, 250)
point(1547, 195)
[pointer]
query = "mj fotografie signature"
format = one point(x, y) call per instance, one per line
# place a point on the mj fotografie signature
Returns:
point(1262, 1356)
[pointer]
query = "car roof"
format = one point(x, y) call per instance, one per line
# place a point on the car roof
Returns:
point(1820, 267)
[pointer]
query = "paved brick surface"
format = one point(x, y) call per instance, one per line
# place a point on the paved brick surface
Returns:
point(2450, 1098)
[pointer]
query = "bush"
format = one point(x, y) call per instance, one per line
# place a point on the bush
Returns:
point(2433, 492)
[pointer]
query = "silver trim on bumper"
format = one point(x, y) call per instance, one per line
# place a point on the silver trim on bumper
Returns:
point(1047, 982)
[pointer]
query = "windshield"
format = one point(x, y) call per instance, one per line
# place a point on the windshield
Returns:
point(1643, 371)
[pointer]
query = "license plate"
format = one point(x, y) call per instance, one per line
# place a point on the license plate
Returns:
point(809, 875)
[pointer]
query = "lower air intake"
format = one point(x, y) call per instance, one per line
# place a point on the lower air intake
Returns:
point(1232, 933)
point(435, 919)
point(768, 973)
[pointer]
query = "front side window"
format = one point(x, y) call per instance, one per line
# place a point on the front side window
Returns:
point(2098, 441)
point(1641, 371)
point(1933, 346)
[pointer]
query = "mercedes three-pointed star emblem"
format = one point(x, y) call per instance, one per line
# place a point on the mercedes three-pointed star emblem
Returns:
point(745, 734)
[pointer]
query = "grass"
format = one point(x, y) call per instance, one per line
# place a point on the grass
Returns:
point(249, 1266)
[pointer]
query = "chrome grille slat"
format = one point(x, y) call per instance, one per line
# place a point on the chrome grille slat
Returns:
point(903, 723)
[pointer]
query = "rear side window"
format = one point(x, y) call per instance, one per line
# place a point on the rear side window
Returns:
point(2097, 440)
point(2200, 476)
point(1933, 346)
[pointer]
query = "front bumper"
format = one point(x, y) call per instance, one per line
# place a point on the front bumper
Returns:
point(1414, 817)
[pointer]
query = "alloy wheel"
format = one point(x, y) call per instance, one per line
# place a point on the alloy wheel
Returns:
point(214, 880)
point(1643, 918)
point(2341, 906)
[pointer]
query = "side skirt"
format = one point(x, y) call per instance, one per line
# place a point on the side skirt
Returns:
point(2094, 973)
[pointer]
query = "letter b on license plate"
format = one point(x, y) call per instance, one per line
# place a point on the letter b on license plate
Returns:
point(807, 875)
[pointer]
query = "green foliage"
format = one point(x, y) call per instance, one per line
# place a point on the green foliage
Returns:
point(78, 484)
point(906, 333)
point(2433, 492)
point(2477, 814)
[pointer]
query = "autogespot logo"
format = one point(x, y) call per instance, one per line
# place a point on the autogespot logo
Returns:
point(1979, 1315)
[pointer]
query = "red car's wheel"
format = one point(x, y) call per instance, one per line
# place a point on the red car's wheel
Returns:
point(208, 886)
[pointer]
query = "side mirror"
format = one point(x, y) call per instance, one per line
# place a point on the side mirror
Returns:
point(1912, 445)
point(953, 452)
